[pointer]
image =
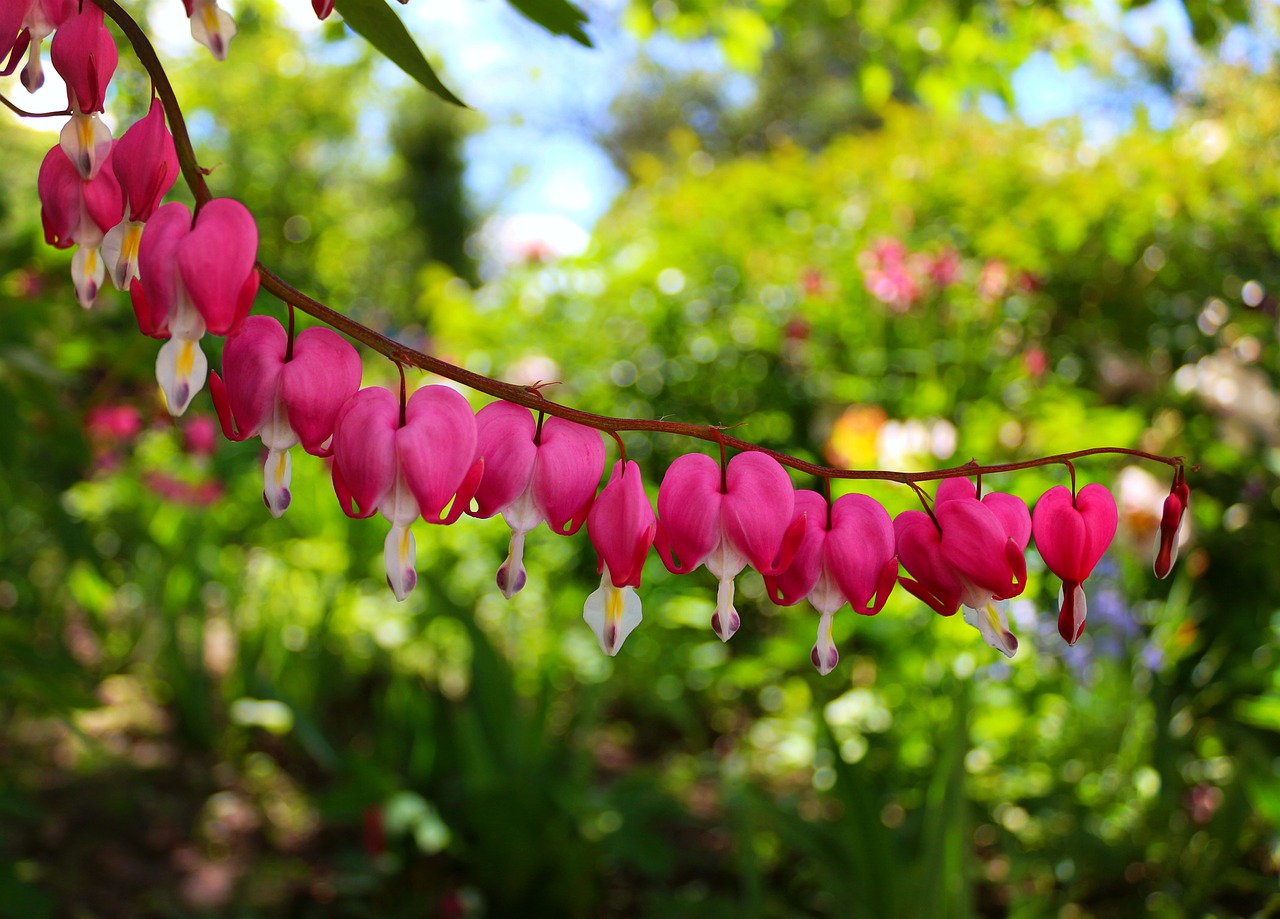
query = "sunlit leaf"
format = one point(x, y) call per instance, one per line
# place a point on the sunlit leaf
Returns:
point(559, 17)
point(378, 24)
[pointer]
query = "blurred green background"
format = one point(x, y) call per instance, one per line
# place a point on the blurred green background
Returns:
point(875, 260)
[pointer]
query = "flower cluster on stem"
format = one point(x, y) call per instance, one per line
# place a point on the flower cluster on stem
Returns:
point(429, 456)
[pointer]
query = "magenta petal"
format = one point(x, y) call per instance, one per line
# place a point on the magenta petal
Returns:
point(1060, 534)
point(59, 185)
point(689, 507)
point(919, 548)
point(221, 405)
point(800, 577)
point(103, 203)
point(973, 542)
point(859, 546)
point(157, 260)
point(1098, 509)
point(145, 163)
point(950, 489)
point(84, 54)
point(621, 525)
point(504, 439)
point(1013, 515)
point(436, 447)
point(567, 471)
point(251, 367)
point(12, 12)
point(216, 259)
point(323, 375)
point(758, 508)
point(364, 446)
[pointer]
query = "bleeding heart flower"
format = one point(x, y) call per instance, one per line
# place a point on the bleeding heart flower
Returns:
point(284, 399)
point(533, 474)
point(621, 526)
point(1175, 508)
point(727, 520)
point(77, 212)
point(405, 464)
point(972, 553)
point(192, 280)
point(1072, 535)
point(847, 555)
point(146, 164)
point(84, 54)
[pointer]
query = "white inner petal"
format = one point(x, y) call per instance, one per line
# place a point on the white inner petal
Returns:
point(277, 473)
point(612, 612)
point(399, 552)
point(181, 368)
point(523, 513)
point(275, 431)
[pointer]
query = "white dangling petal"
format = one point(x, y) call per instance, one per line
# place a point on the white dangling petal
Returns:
point(87, 274)
point(992, 621)
point(399, 505)
point(32, 76)
point(612, 612)
point(86, 141)
point(181, 368)
point(399, 553)
point(725, 620)
point(120, 252)
point(212, 27)
point(824, 654)
point(277, 473)
point(511, 576)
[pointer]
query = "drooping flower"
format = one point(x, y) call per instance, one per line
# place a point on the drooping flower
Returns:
point(146, 165)
point(727, 519)
point(1175, 508)
point(419, 462)
point(281, 398)
point(84, 54)
point(1072, 533)
point(847, 555)
point(76, 212)
point(622, 527)
point(211, 26)
point(533, 474)
point(39, 22)
point(193, 280)
point(322, 8)
point(971, 552)
point(13, 36)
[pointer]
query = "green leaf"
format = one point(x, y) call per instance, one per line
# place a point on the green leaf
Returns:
point(377, 23)
point(559, 17)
